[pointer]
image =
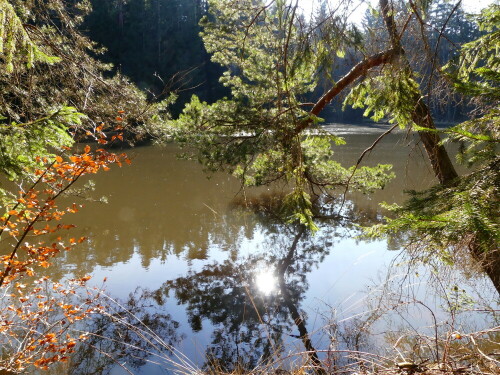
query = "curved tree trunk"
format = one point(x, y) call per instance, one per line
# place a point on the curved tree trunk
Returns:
point(489, 262)
point(359, 70)
point(441, 163)
point(438, 156)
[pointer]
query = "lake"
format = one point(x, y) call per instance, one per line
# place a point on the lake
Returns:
point(219, 283)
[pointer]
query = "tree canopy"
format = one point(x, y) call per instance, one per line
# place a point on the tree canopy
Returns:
point(258, 132)
point(266, 132)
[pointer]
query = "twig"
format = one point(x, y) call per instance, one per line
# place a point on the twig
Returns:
point(369, 149)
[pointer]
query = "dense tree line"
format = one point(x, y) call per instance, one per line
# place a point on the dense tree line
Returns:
point(157, 45)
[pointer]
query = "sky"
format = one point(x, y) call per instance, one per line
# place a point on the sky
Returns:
point(358, 7)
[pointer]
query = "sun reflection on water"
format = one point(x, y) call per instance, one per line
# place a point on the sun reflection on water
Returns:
point(266, 281)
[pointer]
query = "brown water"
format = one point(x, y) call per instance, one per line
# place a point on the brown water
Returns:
point(208, 270)
point(161, 206)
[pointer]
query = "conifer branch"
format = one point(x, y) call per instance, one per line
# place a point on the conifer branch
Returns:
point(356, 72)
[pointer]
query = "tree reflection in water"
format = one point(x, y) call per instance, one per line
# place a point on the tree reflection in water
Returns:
point(250, 326)
point(130, 335)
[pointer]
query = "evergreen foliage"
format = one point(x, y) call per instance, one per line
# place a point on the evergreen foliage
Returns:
point(430, 37)
point(15, 43)
point(447, 220)
point(389, 95)
point(65, 72)
point(270, 66)
point(24, 146)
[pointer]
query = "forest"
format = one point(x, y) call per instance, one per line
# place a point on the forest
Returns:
point(226, 151)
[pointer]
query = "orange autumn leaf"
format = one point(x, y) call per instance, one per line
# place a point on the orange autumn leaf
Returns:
point(24, 220)
point(71, 344)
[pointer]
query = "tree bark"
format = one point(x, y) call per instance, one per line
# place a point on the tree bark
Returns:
point(440, 161)
point(359, 70)
point(489, 262)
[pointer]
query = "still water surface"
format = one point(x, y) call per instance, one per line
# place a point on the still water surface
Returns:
point(205, 273)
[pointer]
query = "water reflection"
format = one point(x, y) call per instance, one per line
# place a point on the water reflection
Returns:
point(160, 206)
point(253, 302)
point(240, 278)
point(265, 280)
point(130, 335)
